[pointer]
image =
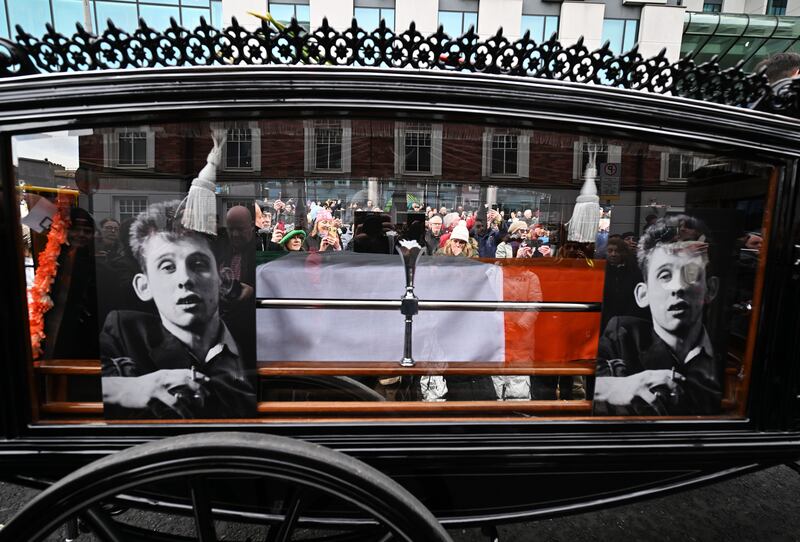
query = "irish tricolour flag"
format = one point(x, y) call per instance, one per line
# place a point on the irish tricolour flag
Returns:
point(546, 339)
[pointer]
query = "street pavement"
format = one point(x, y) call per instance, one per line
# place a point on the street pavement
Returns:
point(762, 506)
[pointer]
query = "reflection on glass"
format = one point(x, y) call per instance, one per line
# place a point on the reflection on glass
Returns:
point(124, 16)
point(456, 23)
point(191, 16)
point(158, 17)
point(284, 13)
point(31, 15)
point(3, 17)
point(620, 33)
point(66, 13)
point(321, 225)
point(541, 27)
point(216, 14)
point(369, 18)
point(716, 46)
point(701, 23)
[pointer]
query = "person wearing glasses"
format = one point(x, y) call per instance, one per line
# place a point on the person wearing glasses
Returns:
point(107, 246)
point(459, 244)
point(668, 366)
point(510, 243)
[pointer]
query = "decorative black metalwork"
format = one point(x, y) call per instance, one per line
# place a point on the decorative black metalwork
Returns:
point(206, 45)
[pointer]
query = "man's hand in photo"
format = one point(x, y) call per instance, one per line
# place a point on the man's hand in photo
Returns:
point(137, 392)
point(622, 390)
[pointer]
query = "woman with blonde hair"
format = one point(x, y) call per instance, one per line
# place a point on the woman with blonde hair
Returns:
point(459, 243)
point(324, 235)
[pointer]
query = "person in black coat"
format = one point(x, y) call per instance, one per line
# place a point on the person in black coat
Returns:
point(183, 363)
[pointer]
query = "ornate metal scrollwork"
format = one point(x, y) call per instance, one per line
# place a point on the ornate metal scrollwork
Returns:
point(206, 45)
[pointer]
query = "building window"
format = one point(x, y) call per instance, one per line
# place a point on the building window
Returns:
point(541, 27)
point(712, 6)
point(370, 18)
point(132, 149)
point(284, 13)
point(327, 145)
point(620, 33)
point(456, 23)
point(242, 150)
point(776, 7)
point(239, 149)
point(504, 154)
point(418, 148)
point(130, 207)
point(678, 166)
point(605, 154)
point(129, 148)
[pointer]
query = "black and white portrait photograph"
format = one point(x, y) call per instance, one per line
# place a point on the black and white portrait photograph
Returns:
point(175, 357)
point(657, 354)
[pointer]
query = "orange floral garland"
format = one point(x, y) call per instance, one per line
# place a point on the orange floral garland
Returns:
point(39, 301)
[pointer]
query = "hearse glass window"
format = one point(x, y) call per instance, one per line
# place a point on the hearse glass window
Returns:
point(352, 268)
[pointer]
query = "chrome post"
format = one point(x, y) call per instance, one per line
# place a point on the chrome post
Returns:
point(410, 251)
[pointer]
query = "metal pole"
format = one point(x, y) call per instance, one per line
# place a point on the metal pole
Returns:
point(87, 17)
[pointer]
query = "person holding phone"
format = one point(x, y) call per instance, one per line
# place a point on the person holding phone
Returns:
point(324, 235)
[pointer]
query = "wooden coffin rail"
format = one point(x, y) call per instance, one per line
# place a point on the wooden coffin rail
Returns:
point(309, 409)
point(89, 367)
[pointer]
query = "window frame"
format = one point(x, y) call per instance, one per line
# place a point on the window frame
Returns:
point(462, 13)
point(310, 145)
point(255, 149)
point(111, 148)
point(523, 141)
point(401, 129)
point(697, 161)
point(303, 23)
point(772, 9)
point(118, 206)
point(244, 139)
point(545, 18)
point(380, 11)
point(625, 22)
point(613, 154)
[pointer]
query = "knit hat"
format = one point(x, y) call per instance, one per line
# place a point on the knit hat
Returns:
point(516, 226)
point(291, 234)
point(450, 219)
point(460, 232)
point(323, 214)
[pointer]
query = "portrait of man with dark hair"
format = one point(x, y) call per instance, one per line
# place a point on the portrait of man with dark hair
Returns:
point(181, 362)
point(667, 366)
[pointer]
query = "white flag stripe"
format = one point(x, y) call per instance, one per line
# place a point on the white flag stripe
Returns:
point(365, 335)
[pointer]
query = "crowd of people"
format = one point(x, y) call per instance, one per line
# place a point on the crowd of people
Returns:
point(120, 285)
point(366, 228)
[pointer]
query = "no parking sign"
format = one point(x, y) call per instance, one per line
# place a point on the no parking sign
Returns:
point(609, 180)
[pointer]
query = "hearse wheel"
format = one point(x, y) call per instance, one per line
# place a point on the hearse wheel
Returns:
point(321, 494)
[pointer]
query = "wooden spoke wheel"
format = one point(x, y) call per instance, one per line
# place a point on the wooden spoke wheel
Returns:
point(278, 488)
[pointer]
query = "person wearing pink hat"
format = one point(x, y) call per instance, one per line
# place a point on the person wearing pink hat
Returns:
point(324, 235)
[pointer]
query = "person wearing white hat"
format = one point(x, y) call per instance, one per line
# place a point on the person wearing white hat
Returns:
point(459, 243)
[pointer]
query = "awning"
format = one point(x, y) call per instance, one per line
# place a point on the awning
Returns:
point(735, 37)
